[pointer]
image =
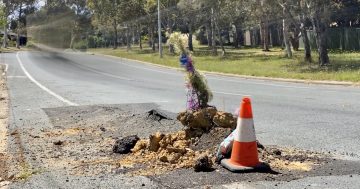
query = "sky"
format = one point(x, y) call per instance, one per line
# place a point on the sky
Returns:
point(41, 3)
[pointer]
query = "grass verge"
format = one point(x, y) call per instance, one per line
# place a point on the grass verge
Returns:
point(345, 66)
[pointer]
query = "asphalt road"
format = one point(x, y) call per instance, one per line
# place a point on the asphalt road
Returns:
point(315, 117)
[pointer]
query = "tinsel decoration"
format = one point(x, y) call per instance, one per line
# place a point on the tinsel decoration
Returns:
point(198, 92)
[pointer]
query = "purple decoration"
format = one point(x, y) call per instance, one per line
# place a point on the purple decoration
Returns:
point(190, 66)
point(192, 100)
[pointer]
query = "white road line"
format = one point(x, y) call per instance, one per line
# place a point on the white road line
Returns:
point(16, 76)
point(233, 94)
point(42, 86)
point(103, 73)
point(150, 69)
point(6, 67)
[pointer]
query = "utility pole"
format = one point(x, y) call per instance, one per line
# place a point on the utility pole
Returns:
point(159, 28)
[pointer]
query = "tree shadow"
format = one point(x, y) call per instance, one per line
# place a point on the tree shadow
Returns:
point(335, 66)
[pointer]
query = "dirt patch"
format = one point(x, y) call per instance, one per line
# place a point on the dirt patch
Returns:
point(82, 139)
point(4, 116)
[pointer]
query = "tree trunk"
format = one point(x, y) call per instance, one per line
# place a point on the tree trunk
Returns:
point(115, 34)
point(221, 44)
point(72, 40)
point(18, 28)
point(236, 37)
point(139, 36)
point(5, 36)
point(208, 34)
point(150, 33)
point(265, 35)
point(220, 41)
point(213, 40)
point(306, 45)
point(303, 33)
point(320, 34)
point(190, 39)
point(153, 40)
point(171, 46)
point(128, 42)
point(280, 41)
point(286, 39)
point(295, 40)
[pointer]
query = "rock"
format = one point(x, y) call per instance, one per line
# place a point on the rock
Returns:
point(11, 177)
point(154, 143)
point(193, 133)
point(58, 143)
point(173, 158)
point(201, 119)
point(3, 184)
point(140, 145)
point(260, 146)
point(203, 163)
point(157, 115)
point(124, 145)
point(166, 140)
point(102, 129)
point(183, 144)
point(225, 120)
point(163, 158)
point(277, 152)
point(176, 150)
point(181, 135)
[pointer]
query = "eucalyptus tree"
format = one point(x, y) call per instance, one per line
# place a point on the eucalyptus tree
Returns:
point(108, 13)
point(8, 9)
point(320, 11)
point(296, 11)
point(81, 20)
point(21, 7)
point(189, 17)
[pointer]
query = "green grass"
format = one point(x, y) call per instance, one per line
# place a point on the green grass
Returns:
point(10, 49)
point(345, 66)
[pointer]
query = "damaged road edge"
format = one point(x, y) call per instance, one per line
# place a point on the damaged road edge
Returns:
point(4, 118)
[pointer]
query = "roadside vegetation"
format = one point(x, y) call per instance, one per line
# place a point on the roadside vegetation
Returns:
point(254, 62)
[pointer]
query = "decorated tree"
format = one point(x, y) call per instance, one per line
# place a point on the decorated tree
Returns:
point(199, 94)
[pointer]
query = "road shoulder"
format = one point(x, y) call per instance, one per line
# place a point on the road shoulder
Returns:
point(4, 117)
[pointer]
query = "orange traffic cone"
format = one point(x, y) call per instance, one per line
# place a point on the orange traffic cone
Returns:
point(244, 155)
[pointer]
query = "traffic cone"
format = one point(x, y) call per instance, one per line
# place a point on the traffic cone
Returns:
point(244, 155)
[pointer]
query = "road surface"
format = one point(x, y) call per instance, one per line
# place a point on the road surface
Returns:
point(315, 117)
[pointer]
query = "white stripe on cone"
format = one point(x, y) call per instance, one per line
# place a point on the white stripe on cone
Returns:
point(247, 130)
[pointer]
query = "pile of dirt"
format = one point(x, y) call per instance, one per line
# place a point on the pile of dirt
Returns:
point(164, 152)
point(207, 118)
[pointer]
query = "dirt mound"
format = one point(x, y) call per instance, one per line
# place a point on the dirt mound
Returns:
point(207, 118)
point(165, 152)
